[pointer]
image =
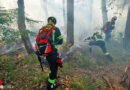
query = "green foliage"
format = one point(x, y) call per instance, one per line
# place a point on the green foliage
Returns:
point(7, 67)
point(11, 75)
point(25, 33)
point(85, 84)
point(67, 68)
point(101, 83)
point(3, 20)
point(82, 84)
point(39, 78)
point(29, 71)
point(31, 59)
point(83, 61)
point(31, 20)
point(8, 19)
point(8, 35)
point(10, 66)
point(8, 16)
point(42, 76)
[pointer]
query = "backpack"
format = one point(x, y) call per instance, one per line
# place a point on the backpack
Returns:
point(107, 27)
point(44, 41)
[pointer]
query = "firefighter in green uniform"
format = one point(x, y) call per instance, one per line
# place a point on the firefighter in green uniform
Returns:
point(97, 40)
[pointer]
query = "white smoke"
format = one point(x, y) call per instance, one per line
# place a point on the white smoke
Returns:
point(88, 16)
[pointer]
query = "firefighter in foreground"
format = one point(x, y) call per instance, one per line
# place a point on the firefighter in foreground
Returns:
point(97, 40)
point(46, 45)
point(108, 27)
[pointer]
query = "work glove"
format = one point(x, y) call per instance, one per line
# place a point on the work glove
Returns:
point(59, 62)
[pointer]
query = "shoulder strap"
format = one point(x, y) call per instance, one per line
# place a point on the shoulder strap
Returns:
point(50, 30)
point(38, 38)
point(44, 29)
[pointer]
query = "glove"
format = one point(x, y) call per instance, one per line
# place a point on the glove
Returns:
point(59, 62)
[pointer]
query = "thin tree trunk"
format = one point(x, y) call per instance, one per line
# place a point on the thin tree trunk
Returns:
point(104, 11)
point(70, 21)
point(22, 27)
point(64, 19)
point(127, 31)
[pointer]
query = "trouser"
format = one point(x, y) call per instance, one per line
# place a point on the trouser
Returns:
point(53, 67)
point(108, 36)
point(102, 45)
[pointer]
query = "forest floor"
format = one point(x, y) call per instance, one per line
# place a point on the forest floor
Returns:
point(82, 72)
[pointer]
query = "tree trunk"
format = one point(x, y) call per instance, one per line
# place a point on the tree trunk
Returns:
point(70, 22)
point(127, 31)
point(64, 19)
point(22, 27)
point(104, 11)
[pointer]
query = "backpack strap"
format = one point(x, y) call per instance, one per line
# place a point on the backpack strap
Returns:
point(38, 38)
point(48, 34)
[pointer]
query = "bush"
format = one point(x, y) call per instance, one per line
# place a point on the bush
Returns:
point(83, 61)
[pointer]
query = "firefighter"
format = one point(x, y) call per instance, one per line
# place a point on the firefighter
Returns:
point(97, 40)
point(108, 27)
point(46, 45)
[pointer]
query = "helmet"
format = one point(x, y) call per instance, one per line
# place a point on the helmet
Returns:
point(114, 18)
point(53, 19)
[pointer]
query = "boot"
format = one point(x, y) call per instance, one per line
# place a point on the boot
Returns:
point(51, 86)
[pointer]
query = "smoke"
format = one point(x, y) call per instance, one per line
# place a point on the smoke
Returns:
point(87, 15)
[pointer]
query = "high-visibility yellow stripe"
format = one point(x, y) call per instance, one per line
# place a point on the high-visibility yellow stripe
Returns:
point(56, 46)
point(40, 31)
point(60, 37)
point(54, 39)
point(107, 53)
point(53, 35)
point(97, 39)
point(49, 72)
point(51, 81)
